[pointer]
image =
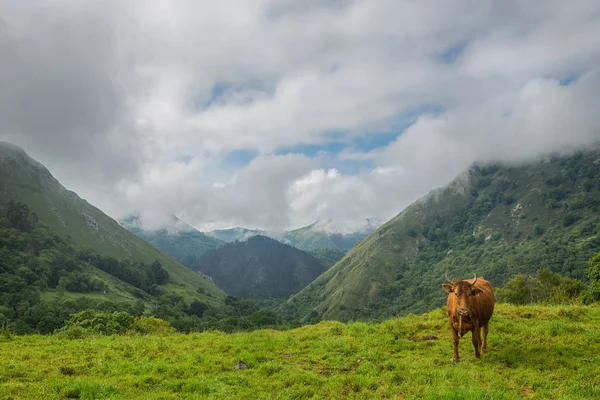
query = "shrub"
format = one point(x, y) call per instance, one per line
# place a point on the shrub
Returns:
point(102, 322)
point(515, 291)
point(593, 274)
point(5, 333)
point(544, 287)
point(152, 325)
point(75, 332)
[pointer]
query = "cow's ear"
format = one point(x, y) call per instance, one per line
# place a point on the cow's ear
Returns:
point(449, 288)
point(476, 291)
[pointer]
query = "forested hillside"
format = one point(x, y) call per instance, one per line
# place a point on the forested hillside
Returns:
point(43, 280)
point(82, 225)
point(494, 220)
point(259, 268)
point(37, 266)
point(59, 255)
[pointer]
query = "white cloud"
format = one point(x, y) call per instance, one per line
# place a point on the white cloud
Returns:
point(112, 96)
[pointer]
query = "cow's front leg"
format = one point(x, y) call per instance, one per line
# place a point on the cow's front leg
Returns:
point(477, 340)
point(455, 342)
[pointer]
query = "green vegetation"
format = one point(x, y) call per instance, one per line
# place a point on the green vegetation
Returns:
point(535, 351)
point(36, 264)
point(496, 221)
point(84, 227)
point(545, 287)
point(43, 280)
point(259, 268)
point(34, 261)
point(593, 274)
point(328, 256)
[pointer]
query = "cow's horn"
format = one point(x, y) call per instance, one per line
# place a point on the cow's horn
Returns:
point(475, 276)
point(448, 279)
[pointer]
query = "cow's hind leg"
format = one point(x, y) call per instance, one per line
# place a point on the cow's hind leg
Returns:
point(485, 332)
point(476, 336)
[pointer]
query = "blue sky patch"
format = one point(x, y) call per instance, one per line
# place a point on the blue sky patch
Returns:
point(335, 142)
point(238, 158)
point(374, 141)
point(452, 52)
point(222, 91)
point(312, 150)
point(569, 79)
point(186, 159)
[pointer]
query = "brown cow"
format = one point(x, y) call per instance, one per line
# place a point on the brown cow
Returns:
point(470, 306)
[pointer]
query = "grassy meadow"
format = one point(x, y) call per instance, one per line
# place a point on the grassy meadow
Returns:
point(535, 351)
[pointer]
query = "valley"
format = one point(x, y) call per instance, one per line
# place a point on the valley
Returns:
point(299, 200)
point(497, 220)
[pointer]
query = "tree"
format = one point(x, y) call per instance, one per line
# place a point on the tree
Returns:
point(197, 308)
point(158, 274)
point(18, 216)
point(515, 291)
point(544, 287)
point(593, 274)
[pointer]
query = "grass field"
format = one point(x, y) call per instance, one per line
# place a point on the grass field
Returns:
point(535, 351)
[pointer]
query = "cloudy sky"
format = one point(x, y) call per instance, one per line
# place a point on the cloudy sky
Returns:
point(275, 113)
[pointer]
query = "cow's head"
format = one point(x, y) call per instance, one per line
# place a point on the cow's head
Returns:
point(464, 292)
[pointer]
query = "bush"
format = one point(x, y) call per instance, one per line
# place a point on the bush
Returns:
point(5, 333)
point(516, 291)
point(152, 325)
point(593, 274)
point(102, 322)
point(75, 332)
point(544, 287)
point(569, 220)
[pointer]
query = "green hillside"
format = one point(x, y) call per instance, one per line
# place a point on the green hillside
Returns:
point(183, 244)
point(327, 256)
point(83, 226)
point(259, 268)
point(494, 220)
point(534, 351)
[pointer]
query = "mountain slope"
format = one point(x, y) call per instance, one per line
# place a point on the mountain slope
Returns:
point(83, 225)
point(494, 220)
point(183, 243)
point(259, 268)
